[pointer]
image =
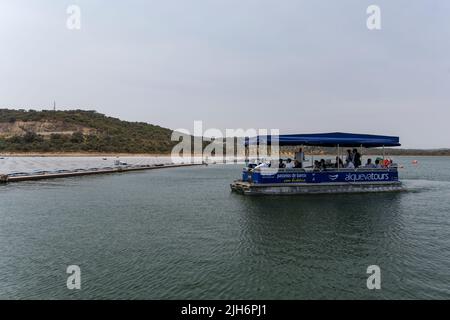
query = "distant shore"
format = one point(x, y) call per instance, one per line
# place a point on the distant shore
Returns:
point(80, 154)
point(407, 153)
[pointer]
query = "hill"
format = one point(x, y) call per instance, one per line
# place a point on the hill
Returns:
point(78, 131)
point(81, 131)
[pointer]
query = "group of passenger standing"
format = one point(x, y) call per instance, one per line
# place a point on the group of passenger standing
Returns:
point(353, 159)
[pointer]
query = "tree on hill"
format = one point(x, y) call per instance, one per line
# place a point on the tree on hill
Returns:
point(107, 134)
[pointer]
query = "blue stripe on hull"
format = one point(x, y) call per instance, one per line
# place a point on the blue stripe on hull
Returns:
point(314, 177)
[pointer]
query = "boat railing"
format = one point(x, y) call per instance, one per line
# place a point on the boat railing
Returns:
point(331, 169)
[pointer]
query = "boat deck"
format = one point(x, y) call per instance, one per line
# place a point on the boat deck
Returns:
point(249, 188)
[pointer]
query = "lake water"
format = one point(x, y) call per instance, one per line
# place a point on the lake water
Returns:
point(30, 164)
point(180, 233)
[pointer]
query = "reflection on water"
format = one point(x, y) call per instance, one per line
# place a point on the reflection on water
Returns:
point(321, 241)
point(181, 233)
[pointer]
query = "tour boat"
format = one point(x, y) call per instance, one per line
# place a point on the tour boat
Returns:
point(310, 180)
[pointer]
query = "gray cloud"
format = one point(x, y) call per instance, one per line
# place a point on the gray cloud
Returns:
point(300, 66)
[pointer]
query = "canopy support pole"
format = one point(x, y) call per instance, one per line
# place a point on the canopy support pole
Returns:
point(384, 153)
point(361, 152)
point(339, 157)
point(246, 155)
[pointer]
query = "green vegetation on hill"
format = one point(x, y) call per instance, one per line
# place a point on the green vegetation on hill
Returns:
point(94, 132)
point(90, 131)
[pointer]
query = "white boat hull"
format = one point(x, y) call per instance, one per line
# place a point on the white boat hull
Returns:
point(319, 188)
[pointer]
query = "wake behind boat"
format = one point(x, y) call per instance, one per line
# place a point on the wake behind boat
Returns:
point(321, 176)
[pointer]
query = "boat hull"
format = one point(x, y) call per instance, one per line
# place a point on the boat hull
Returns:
point(249, 188)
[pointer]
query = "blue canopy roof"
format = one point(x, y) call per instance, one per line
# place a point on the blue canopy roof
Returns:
point(328, 140)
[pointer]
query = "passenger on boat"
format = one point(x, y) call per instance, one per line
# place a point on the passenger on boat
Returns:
point(369, 164)
point(350, 165)
point(348, 158)
point(386, 163)
point(297, 164)
point(263, 165)
point(392, 163)
point(289, 164)
point(281, 164)
point(323, 165)
point(300, 157)
point(356, 158)
point(339, 163)
point(378, 164)
point(316, 165)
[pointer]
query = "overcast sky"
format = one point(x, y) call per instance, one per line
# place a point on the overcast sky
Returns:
point(298, 66)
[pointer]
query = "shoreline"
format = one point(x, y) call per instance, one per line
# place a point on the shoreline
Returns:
point(124, 154)
point(81, 154)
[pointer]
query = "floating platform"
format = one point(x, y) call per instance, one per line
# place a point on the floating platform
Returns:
point(5, 178)
point(248, 188)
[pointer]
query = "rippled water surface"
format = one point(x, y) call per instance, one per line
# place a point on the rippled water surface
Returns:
point(30, 164)
point(180, 233)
